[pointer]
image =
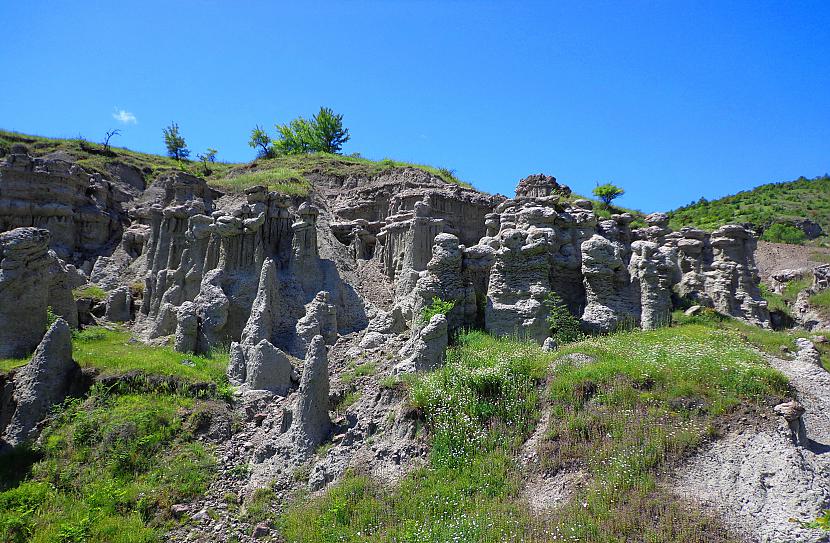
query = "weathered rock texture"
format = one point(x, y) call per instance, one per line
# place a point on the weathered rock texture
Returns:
point(43, 382)
point(82, 211)
point(32, 279)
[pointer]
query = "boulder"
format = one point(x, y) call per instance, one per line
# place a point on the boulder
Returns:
point(43, 382)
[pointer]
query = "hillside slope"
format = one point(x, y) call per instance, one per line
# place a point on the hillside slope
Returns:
point(762, 206)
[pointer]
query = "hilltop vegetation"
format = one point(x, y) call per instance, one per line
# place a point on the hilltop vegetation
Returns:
point(286, 173)
point(763, 206)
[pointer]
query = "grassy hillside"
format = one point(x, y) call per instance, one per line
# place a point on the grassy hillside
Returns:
point(286, 173)
point(762, 206)
point(641, 402)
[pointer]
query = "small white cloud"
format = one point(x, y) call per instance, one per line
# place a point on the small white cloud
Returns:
point(124, 116)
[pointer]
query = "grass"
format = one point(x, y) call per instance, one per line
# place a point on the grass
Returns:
point(821, 301)
point(647, 399)
point(288, 174)
point(354, 372)
point(109, 469)
point(762, 206)
point(111, 352)
point(7, 364)
point(817, 256)
point(93, 292)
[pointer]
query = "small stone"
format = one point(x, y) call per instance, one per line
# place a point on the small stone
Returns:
point(694, 310)
point(261, 530)
point(549, 345)
point(791, 410)
point(179, 510)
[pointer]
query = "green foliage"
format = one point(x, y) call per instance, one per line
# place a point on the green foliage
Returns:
point(261, 141)
point(607, 192)
point(775, 301)
point(437, 307)
point(323, 133)
point(174, 142)
point(354, 372)
point(51, 317)
point(90, 291)
point(110, 468)
point(784, 233)
point(329, 131)
point(206, 158)
point(762, 206)
point(564, 326)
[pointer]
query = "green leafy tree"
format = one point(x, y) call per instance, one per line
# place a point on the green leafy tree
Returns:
point(323, 133)
point(207, 157)
point(261, 141)
point(328, 131)
point(296, 137)
point(174, 141)
point(607, 193)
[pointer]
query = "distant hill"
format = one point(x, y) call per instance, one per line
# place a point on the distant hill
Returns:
point(763, 206)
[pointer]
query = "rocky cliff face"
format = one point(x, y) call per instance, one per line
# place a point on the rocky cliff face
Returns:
point(82, 211)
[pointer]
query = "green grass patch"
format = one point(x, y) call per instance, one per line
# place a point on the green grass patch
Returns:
point(821, 301)
point(280, 179)
point(817, 256)
point(90, 291)
point(7, 364)
point(109, 469)
point(353, 372)
point(648, 399)
point(113, 352)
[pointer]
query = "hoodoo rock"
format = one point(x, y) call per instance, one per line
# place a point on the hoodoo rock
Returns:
point(44, 381)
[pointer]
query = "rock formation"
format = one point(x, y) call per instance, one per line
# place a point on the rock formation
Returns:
point(310, 422)
point(32, 279)
point(43, 382)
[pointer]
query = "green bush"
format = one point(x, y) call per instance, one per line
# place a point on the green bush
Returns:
point(564, 326)
point(437, 307)
point(784, 233)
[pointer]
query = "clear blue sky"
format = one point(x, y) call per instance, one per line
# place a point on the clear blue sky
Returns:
point(671, 100)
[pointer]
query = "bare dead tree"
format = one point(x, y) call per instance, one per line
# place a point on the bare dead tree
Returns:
point(110, 134)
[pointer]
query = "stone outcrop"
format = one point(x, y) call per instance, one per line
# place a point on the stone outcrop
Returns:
point(310, 421)
point(119, 305)
point(426, 350)
point(653, 272)
point(82, 210)
point(519, 285)
point(43, 382)
point(32, 279)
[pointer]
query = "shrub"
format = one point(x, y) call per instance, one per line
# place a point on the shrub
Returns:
point(564, 326)
point(324, 133)
point(174, 142)
point(437, 307)
point(607, 192)
point(784, 233)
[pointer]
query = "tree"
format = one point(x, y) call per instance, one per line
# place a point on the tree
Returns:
point(176, 146)
point(206, 157)
point(329, 131)
point(324, 133)
point(607, 192)
point(109, 135)
point(261, 140)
